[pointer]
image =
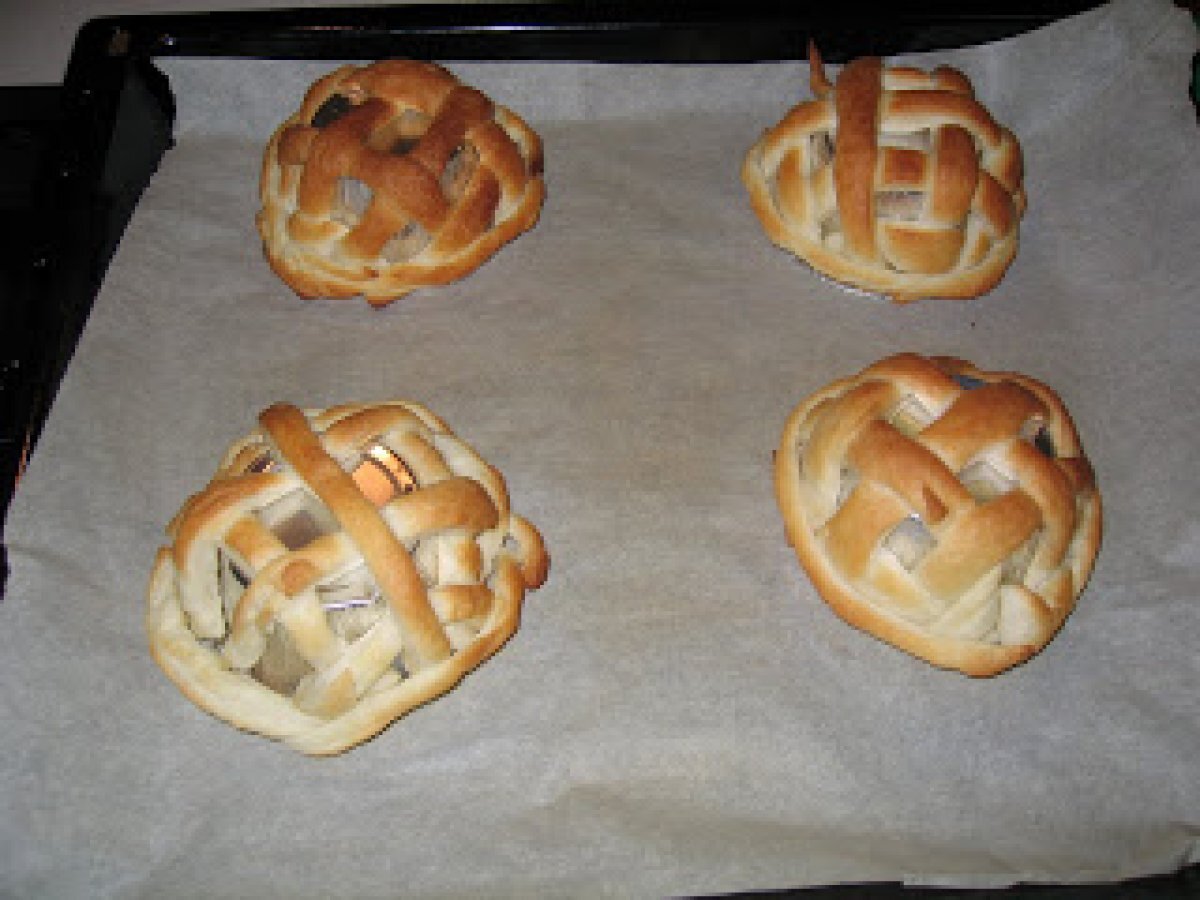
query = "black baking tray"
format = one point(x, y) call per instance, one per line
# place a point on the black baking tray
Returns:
point(75, 157)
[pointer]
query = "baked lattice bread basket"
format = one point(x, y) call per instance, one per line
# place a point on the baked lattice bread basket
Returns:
point(893, 181)
point(391, 177)
point(946, 510)
point(343, 566)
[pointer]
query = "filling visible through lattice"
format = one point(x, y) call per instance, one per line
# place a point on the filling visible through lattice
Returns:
point(350, 601)
point(397, 136)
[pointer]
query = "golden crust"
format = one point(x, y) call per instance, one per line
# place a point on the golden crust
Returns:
point(391, 177)
point(395, 568)
point(893, 181)
point(946, 510)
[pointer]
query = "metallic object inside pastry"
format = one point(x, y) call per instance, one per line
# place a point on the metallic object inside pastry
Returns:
point(343, 567)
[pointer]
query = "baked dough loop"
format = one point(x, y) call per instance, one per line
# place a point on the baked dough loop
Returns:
point(343, 567)
point(893, 181)
point(392, 177)
point(946, 510)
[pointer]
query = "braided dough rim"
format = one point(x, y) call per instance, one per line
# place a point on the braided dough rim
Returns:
point(901, 287)
point(977, 659)
point(312, 277)
point(236, 698)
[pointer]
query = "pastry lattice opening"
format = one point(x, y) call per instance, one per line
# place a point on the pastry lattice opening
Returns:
point(297, 519)
point(984, 481)
point(967, 382)
point(820, 151)
point(909, 541)
point(382, 475)
point(1015, 567)
point(1036, 432)
point(919, 139)
point(900, 205)
point(353, 198)
point(909, 416)
point(335, 107)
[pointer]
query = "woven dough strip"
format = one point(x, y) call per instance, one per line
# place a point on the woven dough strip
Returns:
point(946, 510)
point(894, 180)
point(391, 177)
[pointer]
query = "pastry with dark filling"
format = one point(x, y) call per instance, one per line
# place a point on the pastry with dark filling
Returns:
point(391, 177)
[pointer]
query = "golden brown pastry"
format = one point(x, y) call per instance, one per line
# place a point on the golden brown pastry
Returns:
point(343, 567)
point(391, 177)
point(893, 181)
point(946, 510)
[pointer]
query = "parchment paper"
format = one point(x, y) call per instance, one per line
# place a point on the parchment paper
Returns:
point(680, 713)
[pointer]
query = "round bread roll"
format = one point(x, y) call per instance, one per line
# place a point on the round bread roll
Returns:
point(343, 567)
point(892, 181)
point(392, 177)
point(946, 510)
